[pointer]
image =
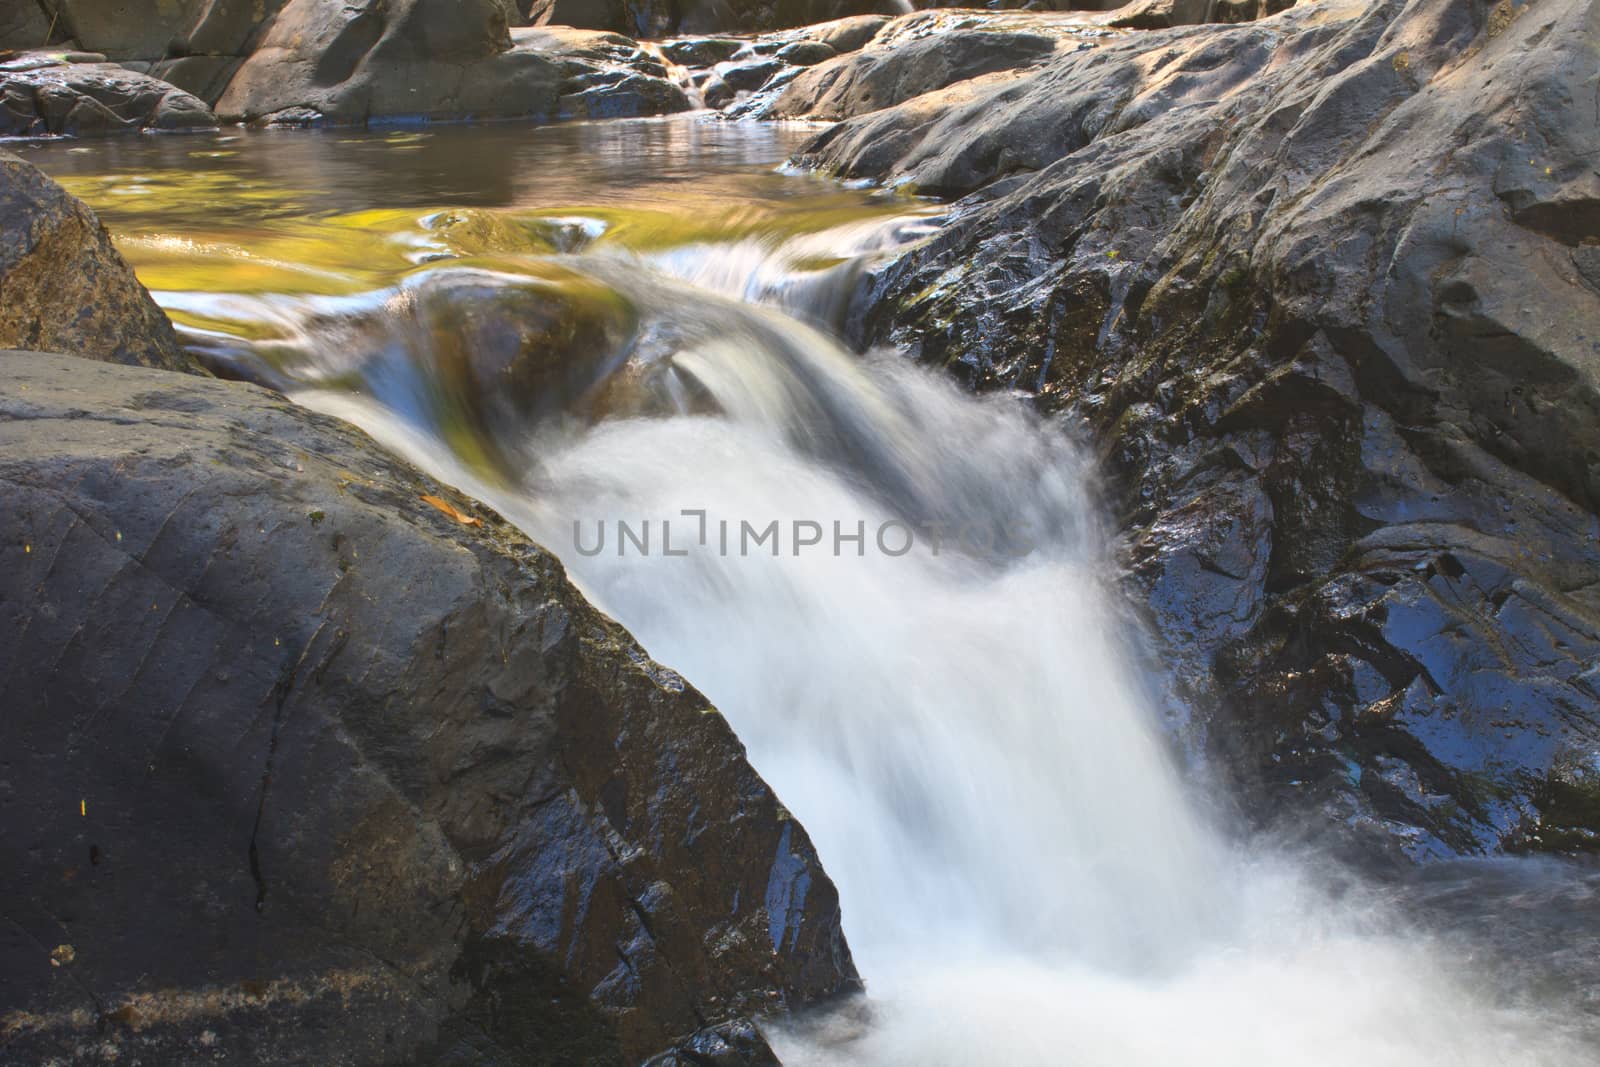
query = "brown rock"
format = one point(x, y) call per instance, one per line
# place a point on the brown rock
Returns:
point(63, 287)
point(327, 61)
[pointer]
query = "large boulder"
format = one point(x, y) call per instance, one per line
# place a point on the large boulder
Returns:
point(1326, 287)
point(88, 99)
point(63, 287)
point(343, 63)
point(1161, 14)
point(24, 26)
point(308, 759)
point(914, 55)
point(126, 29)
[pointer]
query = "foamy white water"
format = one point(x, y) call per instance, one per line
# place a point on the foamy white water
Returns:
point(1026, 876)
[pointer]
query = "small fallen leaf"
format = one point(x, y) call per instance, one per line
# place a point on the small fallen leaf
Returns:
point(451, 510)
point(63, 954)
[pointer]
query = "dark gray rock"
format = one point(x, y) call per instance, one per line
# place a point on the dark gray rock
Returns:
point(915, 55)
point(717, 93)
point(93, 99)
point(733, 1044)
point(748, 77)
point(701, 51)
point(62, 284)
point(298, 767)
point(806, 53)
point(1321, 286)
point(607, 75)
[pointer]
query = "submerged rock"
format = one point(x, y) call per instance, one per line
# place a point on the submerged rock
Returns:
point(63, 285)
point(308, 759)
point(1323, 285)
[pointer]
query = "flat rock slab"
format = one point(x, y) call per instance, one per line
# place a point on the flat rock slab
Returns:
point(308, 759)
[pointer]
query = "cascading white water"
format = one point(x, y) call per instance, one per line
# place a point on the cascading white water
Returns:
point(1025, 878)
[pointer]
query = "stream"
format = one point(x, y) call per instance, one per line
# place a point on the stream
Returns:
point(625, 338)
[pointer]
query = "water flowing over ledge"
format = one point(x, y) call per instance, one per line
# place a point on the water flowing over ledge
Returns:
point(1027, 873)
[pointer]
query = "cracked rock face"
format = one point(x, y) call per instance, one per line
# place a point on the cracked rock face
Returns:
point(298, 766)
point(62, 284)
point(1324, 287)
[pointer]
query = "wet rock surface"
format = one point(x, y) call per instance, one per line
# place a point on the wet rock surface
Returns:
point(90, 99)
point(1323, 288)
point(300, 766)
point(63, 285)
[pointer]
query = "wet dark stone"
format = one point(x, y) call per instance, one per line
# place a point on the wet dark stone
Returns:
point(297, 767)
point(701, 51)
point(93, 99)
point(806, 53)
point(749, 77)
point(1317, 284)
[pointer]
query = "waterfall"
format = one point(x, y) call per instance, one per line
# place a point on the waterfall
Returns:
point(1025, 874)
point(900, 595)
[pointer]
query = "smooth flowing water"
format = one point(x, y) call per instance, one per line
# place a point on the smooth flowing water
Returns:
point(623, 337)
